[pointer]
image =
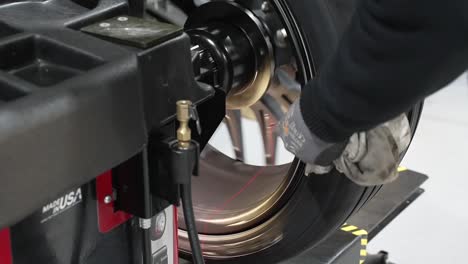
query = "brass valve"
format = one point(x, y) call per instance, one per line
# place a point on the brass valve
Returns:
point(184, 134)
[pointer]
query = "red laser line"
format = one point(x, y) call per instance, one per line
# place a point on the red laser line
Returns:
point(233, 197)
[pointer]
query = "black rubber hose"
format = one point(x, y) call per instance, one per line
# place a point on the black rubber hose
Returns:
point(189, 215)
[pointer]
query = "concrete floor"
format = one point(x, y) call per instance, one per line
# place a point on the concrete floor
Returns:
point(434, 228)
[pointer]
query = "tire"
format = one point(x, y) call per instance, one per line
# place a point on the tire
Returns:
point(319, 205)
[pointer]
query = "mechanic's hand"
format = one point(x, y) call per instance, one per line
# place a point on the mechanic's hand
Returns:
point(299, 140)
point(368, 158)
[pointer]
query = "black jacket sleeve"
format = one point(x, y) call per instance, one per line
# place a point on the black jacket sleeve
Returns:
point(393, 54)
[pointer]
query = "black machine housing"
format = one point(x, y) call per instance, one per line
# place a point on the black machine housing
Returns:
point(74, 104)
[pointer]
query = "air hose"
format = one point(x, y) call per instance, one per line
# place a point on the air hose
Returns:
point(184, 165)
point(186, 195)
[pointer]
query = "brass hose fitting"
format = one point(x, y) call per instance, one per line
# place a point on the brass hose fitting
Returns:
point(184, 134)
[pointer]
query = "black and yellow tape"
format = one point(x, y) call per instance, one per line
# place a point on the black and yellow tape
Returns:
point(363, 235)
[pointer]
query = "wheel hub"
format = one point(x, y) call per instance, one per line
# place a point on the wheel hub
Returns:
point(239, 50)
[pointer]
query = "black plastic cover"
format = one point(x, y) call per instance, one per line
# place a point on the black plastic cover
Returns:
point(72, 105)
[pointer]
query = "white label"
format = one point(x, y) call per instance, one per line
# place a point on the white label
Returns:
point(61, 205)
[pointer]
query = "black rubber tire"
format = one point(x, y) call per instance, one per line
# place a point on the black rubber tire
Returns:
point(320, 204)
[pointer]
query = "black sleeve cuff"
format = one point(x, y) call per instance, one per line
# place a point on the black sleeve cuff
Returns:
point(315, 115)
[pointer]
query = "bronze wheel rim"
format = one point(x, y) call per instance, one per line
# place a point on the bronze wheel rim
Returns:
point(237, 196)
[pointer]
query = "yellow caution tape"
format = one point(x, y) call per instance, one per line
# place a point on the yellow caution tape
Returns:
point(364, 240)
point(363, 233)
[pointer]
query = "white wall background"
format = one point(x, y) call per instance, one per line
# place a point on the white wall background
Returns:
point(435, 228)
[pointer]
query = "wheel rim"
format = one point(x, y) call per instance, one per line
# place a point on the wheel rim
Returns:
point(238, 194)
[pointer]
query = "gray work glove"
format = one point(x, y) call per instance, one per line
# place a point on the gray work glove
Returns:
point(298, 139)
point(372, 158)
point(368, 158)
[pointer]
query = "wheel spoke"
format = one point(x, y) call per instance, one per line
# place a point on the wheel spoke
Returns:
point(234, 124)
point(267, 122)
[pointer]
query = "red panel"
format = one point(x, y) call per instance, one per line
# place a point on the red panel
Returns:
point(5, 247)
point(108, 219)
point(176, 237)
